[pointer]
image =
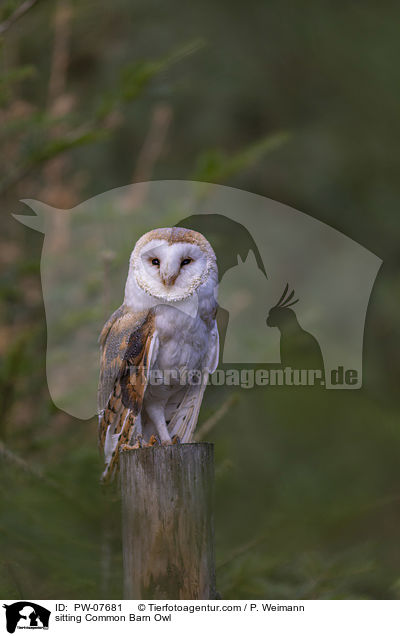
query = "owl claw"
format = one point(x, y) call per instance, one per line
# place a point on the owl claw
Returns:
point(127, 447)
point(154, 441)
point(138, 444)
point(139, 441)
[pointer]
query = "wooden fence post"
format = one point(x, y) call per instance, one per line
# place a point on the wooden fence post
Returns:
point(167, 522)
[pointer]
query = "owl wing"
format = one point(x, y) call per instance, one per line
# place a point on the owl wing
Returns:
point(183, 411)
point(129, 346)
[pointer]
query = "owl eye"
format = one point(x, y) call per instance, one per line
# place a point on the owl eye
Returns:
point(186, 261)
point(155, 261)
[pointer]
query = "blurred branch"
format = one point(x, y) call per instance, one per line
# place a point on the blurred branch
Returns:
point(13, 359)
point(8, 456)
point(60, 57)
point(107, 258)
point(10, 78)
point(18, 13)
point(135, 77)
point(242, 550)
point(133, 80)
point(153, 143)
point(212, 421)
point(215, 166)
point(150, 152)
point(48, 151)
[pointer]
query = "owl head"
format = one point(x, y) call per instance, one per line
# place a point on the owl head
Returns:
point(170, 264)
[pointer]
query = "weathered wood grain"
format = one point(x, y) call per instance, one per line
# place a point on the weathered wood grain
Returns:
point(167, 522)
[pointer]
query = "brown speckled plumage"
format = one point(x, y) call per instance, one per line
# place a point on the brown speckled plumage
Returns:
point(125, 341)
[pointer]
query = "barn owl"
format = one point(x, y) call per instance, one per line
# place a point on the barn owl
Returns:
point(165, 329)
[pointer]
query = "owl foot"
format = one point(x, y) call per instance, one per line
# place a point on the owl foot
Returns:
point(138, 444)
point(154, 441)
point(127, 447)
point(176, 439)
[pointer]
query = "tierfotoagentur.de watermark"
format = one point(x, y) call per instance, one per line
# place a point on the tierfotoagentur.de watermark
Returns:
point(243, 378)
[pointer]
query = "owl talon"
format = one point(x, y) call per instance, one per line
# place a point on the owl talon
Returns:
point(139, 441)
point(154, 441)
point(176, 439)
point(138, 444)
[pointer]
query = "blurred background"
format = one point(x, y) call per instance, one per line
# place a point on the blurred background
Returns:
point(296, 101)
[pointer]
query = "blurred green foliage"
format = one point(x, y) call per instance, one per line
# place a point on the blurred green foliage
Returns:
point(307, 483)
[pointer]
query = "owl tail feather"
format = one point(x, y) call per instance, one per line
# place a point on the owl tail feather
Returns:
point(113, 443)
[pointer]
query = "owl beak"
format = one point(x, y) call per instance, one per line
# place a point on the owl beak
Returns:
point(168, 279)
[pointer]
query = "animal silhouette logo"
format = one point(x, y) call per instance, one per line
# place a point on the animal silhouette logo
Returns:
point(299, 349)
point(26, 615)
point(241, 294)
point(85, 258)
